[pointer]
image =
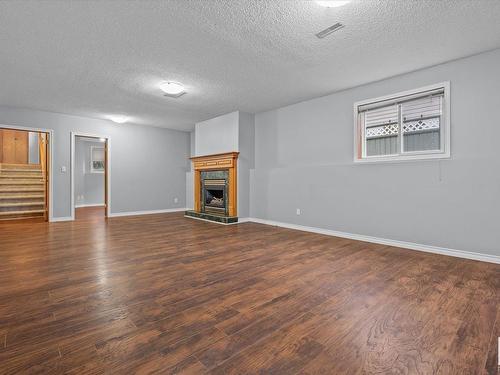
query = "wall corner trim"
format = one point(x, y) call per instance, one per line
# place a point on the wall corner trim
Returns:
point(151, 212)
point(383, 241)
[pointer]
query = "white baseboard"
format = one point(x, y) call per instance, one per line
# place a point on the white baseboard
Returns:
point(152, 212)
point(384, 241)
point(90, 205)
point(62, 218)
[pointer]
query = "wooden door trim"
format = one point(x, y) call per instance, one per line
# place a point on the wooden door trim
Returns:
point(50, 161)
point(107, 170)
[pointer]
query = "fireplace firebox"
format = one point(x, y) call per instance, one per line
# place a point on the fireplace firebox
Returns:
point(214, 192)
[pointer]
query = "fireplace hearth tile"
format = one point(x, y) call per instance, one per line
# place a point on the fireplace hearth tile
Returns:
point(215, 218)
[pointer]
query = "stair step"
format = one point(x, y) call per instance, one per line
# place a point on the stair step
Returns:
point(16, 176)
point(5, 216)
point(20, 195)
point(21, 213)
point(20, 170)
point(21, 189)
point(5, 166)
point(20, 204)
point(7, 181)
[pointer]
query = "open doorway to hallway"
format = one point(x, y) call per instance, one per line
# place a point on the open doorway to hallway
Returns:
point(24, 174)
point(90, 178)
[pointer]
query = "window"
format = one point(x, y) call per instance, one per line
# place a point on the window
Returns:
point(405, 126)
point(97, 159)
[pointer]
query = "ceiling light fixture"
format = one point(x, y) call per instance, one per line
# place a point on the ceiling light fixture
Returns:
point(333, 3)
point(329, 30)
point(119, 119)
point(173, 89)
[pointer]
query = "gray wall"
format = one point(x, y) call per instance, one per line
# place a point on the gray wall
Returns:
point(148, 164)
point(190, 174)
point(34, 149)
point(89, 187)
point(217, 135)
point(246, 161)
point(304, 159)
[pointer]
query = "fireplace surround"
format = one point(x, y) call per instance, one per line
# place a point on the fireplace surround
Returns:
point(215, 187)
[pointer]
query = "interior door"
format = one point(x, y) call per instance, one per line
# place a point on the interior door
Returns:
point(15, 146)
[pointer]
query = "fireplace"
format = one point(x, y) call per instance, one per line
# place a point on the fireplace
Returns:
point(215, 196)
point(214, 192)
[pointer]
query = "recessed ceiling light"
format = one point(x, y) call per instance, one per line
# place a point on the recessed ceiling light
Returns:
point(119, 119)
point(333, 3)
point(174, 89)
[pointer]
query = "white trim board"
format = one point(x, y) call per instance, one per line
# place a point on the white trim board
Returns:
point(151, 212)
point(384, 241)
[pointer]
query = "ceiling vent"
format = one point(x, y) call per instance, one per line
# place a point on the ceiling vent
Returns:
point(329, 30)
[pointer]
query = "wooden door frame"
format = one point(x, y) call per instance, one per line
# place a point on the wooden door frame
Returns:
point(50, 162)
point(107, 170)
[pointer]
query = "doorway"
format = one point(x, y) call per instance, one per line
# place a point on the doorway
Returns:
point(89, 176)
point(24, 173)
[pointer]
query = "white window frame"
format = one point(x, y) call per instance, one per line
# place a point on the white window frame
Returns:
point(442, 153)
point(92, 170)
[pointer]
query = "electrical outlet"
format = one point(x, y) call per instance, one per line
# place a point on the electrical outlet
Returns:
point(176, 200)
point(63, 169)
point(298, 211)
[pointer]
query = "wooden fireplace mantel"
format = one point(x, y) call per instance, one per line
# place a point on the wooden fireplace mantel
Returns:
point(226, 161)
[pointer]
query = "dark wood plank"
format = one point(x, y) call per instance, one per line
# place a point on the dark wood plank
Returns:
point(165, 294)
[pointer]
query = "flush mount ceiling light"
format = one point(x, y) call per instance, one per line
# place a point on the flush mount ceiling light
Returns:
point(173, 89)
point(119, 119)
point(333, 3)
point(329, 30)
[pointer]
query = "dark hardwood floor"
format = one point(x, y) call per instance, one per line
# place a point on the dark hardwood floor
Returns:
point(165, 294)
point(90, 213)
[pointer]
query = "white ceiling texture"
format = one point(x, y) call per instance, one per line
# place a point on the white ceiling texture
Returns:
point(96, 58)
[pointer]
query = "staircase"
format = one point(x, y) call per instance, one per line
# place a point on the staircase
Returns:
point(22, 191)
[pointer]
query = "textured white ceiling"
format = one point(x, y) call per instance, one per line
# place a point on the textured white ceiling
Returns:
point(95, 58)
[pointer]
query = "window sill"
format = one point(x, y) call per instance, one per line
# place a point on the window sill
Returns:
point(402, 159)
